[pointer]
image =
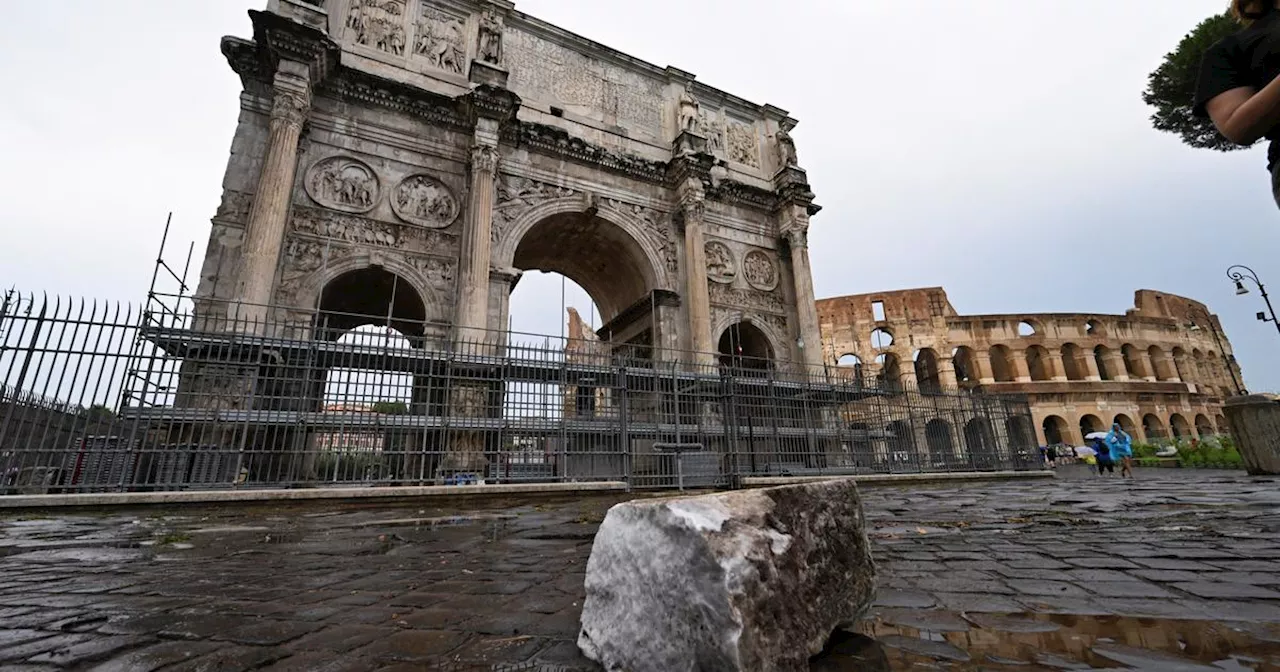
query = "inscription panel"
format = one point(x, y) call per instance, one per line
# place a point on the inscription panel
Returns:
point(545, 71)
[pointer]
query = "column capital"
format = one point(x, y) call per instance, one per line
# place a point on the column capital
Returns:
point(484, 158)
point(693, 200)
point(290, 107)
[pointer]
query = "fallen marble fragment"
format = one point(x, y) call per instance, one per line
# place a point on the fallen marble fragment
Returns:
point(752, 580)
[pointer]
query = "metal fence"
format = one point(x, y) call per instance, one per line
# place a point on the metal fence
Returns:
point(116, 398)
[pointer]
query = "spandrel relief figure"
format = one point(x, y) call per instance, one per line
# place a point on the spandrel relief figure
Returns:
point(720, 266)
point(490, 37)
point(709, 128)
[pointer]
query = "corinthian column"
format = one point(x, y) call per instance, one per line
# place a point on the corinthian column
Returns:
point(692, 210)
point(797, 236)
point(473, 277)
point(267, 218)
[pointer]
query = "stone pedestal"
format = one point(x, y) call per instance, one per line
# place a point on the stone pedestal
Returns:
point(749, 580)
point(1254, 420)
point(464, 450)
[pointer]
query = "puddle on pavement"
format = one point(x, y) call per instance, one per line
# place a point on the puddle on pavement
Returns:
point(970, 642)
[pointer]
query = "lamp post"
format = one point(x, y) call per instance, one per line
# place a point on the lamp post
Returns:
point(1246, 273)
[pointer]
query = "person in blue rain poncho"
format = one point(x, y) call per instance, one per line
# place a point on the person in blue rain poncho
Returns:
point(1121, 449)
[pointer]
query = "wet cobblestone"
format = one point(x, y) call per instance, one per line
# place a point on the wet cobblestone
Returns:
point(983, 576)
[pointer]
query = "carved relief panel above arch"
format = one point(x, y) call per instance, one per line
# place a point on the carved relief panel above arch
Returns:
point(343, 183)
point(760, 270)
point(423, 200)
point(721, 266)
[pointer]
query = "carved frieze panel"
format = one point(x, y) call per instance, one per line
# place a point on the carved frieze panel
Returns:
point(549, 72)
point(378, 24)
point(437, 271)
point(744, 146)
point(760, 270)
point(425, 201)
point(440, 39)
point(370, 232)
point(721, 266)
point(343, 183)
point(747, 298)
point(710, 127)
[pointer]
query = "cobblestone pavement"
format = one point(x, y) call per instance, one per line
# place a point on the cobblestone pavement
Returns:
point(1175, 571)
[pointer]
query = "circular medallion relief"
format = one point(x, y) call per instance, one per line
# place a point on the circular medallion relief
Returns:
point(720, 265)
point(343, 183)
point(425, 201)
point(759, 270)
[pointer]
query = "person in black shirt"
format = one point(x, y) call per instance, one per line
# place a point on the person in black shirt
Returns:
point(1238, 88)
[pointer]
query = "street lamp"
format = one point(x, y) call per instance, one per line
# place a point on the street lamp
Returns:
point(1246, 273)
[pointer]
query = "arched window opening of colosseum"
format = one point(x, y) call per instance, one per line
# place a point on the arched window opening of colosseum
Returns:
point(1214, 370)
point(1126, 424)
point(1093, 328)
point(1132, 361)
point(1072, 362)
point(1220, 422)
point(1055, 430)
point(1180, 363)
point(745, 349)
point(980, 442)
point(901, 442)
point(1198, 365)
point(1204, 428)
point(927, 373)
point(1038, 364)
point(1001, 364)
point(881, 338)
point(1028, 328)
point(888, 371)
point(382, 319)
point(1090, 424)
point(941, 442)
point(1179, 426)
point(965, 364)
point(850, 365)
point(1153, 427)
point(1021, 434)
point(1161, 367)
point(1102, 358)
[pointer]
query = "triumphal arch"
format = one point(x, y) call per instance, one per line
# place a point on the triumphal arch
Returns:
point(407, 160)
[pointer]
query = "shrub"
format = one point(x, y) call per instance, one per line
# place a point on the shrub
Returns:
point(1141, 450)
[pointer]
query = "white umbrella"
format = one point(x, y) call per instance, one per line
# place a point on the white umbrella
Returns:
point(1085, 451)
point(1096, 435)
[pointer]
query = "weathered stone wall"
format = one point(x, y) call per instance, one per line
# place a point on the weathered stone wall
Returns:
point(1255, 425)
point(1158, 369)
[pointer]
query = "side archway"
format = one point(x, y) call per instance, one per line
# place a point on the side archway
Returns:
point(1056, 430)
point(1126, 424)
point(1001, 364)
point(1090, 424)
point(1203, 426)
point(1179, 426)
point(941, 442)
point(1153, 427)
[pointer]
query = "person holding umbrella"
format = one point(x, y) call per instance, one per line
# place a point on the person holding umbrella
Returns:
point(1102, 453)
point(1121, 449)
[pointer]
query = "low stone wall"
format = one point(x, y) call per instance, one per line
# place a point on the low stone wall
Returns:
point(1255, 425)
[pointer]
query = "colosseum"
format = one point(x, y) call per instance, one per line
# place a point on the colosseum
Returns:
point(1160, 370)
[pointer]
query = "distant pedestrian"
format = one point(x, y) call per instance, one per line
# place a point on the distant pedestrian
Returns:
point(1105, 465)
point(1121, 449)
point(1051, 454)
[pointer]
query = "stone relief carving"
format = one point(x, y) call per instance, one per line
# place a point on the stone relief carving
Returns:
point(438, 272)
point(786, 148)
point(688, 110)
point(290, 108)
point(362, 231)
point(515, 195)
point(720, 263)
point(235, 206)
point(760, 271)
point(378, 24)
point(743, 147)
point(747, 298)
point(657, 228)
point(425, 201)
point(490, 47)
point(343, 183)
point(440, 40)
point(711, 128)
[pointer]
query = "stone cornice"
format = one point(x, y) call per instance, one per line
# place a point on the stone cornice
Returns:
point(284, 39)
point(557, 141)
point(354, 86)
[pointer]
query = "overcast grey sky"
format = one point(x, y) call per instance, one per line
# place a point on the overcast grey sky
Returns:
point(999, 148)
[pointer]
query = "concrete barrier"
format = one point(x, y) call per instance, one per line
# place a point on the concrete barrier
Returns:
point(1254, 420)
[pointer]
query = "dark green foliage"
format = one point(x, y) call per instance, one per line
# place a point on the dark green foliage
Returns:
point(1171, 88)
point(391, 407)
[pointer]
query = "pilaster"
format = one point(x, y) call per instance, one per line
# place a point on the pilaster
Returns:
point(796, 206)
point(1018, 358)
point(1059, 371)
point(692, 214)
